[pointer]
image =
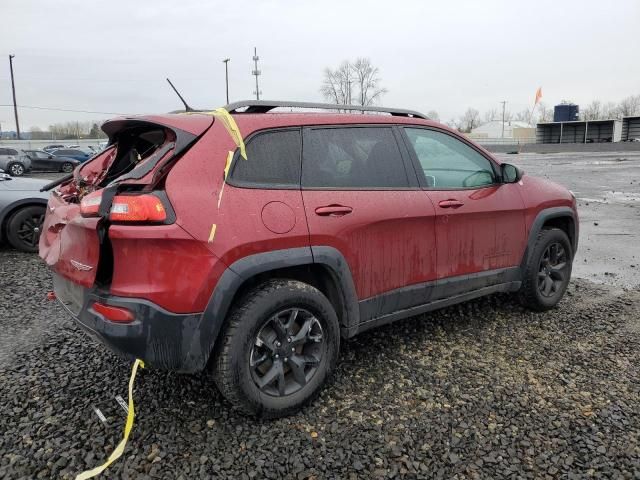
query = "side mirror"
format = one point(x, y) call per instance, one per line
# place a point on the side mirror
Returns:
point(50, 156)
point(510, 173)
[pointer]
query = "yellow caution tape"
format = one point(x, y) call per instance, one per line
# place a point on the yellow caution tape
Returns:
point(127, 430)
point(228, 164)
point(232, 128)
point(213, 232)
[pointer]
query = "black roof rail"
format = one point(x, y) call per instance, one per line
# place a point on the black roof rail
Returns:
point(264, 106)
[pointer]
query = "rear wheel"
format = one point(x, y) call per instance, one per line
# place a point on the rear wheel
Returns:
point(67, 167)
point(548, 271)
point(24, 228)
point(16, 169)
point(278, 348)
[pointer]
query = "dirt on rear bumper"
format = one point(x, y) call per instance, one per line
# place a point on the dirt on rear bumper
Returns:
point(160, 338)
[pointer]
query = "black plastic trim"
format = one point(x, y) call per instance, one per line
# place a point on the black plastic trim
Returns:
point(435, 305)
point(538, 223)
point(162, 339)
point(389, 303)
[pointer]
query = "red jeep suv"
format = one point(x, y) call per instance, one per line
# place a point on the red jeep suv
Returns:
point(250, 242)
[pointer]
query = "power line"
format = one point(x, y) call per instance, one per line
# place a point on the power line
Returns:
point(62, 109)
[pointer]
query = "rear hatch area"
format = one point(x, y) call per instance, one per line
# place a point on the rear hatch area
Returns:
point(122, 185)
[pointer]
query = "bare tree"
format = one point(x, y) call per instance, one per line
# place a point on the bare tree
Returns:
point(610, 110)
point(491, 115)
point(470, 120)
point(629, 106)
point(454, 123)
point(523, 116)
point(545, 114)
point(352, 83)
point(336, 85)
point(593, 111)
point(433, 115)
point(368, 81)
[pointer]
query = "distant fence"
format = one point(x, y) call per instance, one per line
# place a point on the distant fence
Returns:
point(504, 141)
point(618, 147)
point(39, 144)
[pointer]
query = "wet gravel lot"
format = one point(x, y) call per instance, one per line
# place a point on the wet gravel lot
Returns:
point(481, 390)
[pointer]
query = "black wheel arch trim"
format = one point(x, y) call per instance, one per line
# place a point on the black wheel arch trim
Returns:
point(541, 219)
point(244, 269)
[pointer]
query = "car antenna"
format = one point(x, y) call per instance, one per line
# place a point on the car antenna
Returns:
point(187, 108)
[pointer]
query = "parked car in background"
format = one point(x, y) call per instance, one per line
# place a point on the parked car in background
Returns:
point(22, 209)
point(51, 148)
point(41, 160)
point(330, 225)
point(74, 153)
point(14, 162)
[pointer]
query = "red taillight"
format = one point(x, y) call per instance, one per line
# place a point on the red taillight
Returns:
point(115, 314)
point(137, 208)
point(90, 204)
point(126, 208)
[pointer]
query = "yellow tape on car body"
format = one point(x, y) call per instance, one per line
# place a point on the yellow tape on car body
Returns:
point(117, 452)
point(232, 128)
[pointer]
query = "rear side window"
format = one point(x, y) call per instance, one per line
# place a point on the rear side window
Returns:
point(273, 160)
point(352, 157)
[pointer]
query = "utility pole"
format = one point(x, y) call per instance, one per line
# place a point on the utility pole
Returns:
point(504, 103)
point(256, 72)
point(13, 89)
point(226, 76)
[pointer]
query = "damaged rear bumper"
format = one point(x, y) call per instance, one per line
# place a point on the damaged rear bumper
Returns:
point(160, 338)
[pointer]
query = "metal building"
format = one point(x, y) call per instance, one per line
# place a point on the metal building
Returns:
point(630, 128)
point(593, 131)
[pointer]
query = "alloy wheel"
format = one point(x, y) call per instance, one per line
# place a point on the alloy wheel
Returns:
point(552, 270)
point(29, 230)
point(16, 169)
point(287, 352)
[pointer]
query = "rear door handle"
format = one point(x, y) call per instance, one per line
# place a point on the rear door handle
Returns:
point(451, 203)
point(333, 211)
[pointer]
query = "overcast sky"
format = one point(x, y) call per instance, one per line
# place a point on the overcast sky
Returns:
point(113, 56)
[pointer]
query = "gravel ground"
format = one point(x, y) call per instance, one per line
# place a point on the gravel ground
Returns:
point(481, 390)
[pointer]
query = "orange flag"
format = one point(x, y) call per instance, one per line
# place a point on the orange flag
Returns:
point(538, 95)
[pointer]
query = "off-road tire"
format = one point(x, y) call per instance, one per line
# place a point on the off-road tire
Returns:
point(529, 294)
point(16, 169)
point(28, 217)
point(230, 367)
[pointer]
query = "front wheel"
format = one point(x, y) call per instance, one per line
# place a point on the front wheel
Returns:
point(278, 348)
point(548, 270)
point(67, 167)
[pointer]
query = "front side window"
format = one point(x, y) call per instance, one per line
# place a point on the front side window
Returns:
point(352, 157)
point(448, 162)
point(273, 159)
